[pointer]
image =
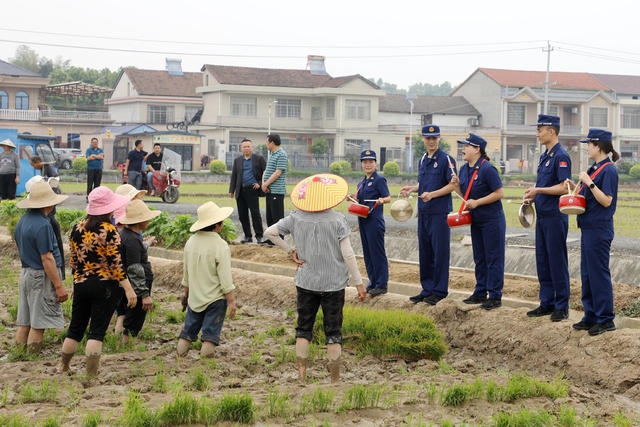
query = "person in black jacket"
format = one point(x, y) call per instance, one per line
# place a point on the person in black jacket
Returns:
point(246, 176)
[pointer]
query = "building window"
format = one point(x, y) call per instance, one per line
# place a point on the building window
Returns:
point(358, 110)
point(288, 108)
point(427, 119)
point(22, 101)
point(631, 118)
point(243, 106)
point(516, 114)
point(128, 89)
point(189, 112)
point(551, 109)
point(316, 113)
point(159, 114)
point(598, 117)
point(4, 100)
point(331, 108)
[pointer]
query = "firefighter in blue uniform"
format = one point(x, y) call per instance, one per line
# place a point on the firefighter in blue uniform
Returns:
point(600, 189)
point(434, 192)
point(372, 228)
point(552, 226)
point(488, 226)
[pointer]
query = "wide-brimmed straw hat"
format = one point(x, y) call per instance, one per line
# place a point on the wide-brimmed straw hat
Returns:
point(208, 214)
point(103, 201)
point(41, 196)
point(319, 192)
point(8, 143)
point(137, 212)
point(129, 191)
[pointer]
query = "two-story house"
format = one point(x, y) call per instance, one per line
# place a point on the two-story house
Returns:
point(512, 99)
point(23, 106)
point(299, 105)
point(627, 114)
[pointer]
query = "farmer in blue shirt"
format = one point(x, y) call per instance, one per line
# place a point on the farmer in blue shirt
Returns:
point(434, 203)
point(133, 165)
point(481, 183)
point(552, 226)
point(95, 157)
point(600, 189)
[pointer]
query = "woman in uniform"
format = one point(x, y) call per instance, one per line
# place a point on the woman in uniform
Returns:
point(600, 189)
point(481, 186)
point(373, 187)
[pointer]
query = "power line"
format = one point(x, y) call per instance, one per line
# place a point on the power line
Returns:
point(598, 48)
point(262, 45)
point(598, 56)
point(227, 55)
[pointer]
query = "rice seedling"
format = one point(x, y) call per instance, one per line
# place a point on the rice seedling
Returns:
point(199, 380)
point(456, 395)
point(92, 419)
point(51, 421)
point(15, 420)
point(19, 353)
point(74, 395)
point(566, 417)
point(13, 310)
point(175, 317)
point(136, 414)
point(412, 420)
point(182, 410)
point(621, 420)
point(362, 396)
point(4, 398)
point(284, 355)
point(159, 383)
point(523, 386)
point(277, 404)
point(146, 334)
point(445, 368)
point(432, 390)
point(493, 393)
point(237, 408)
point(290, 314)
point(258, 339)
point(277, 332)
point(446, 423)
point(67, 308)
point(524, 418)
point(46, 391)
point(410, 336)
point(318, 401)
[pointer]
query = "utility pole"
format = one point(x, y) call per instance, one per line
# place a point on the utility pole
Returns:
point(546, 81)
point(410, 98)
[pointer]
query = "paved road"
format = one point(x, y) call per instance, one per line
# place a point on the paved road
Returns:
point(517, 236)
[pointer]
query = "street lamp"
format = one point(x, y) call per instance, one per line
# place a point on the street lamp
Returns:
point(275, 101)
point(410, 98)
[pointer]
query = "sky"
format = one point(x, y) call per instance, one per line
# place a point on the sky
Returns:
point(402, 42)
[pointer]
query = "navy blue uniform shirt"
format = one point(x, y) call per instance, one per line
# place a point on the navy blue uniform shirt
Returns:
point(596, 215)
point(486, 182)
point(247, 172)
point(370, 189)
point(554, 168)
point(135, 160)
point(433, 174)
point(35, 237)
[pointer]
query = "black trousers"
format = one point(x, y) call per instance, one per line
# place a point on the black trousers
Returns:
point(8, 186)
point(248, 201)
point(275, 208)
point(94, 177)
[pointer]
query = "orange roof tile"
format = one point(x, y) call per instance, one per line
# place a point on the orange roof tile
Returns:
point(558, 79)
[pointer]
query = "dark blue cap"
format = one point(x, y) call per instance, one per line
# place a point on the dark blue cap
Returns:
point(598, 135)
point(430, 130)
point(474, 140)
point(547, 120)
point(368, 154)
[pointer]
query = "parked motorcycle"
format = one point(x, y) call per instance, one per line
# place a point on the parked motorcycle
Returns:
point(166, 181)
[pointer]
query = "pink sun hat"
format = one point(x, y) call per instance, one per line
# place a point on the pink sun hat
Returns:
point(103, 201)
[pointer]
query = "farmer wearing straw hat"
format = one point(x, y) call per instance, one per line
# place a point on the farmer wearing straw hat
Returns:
point(137, 265)
point(325, 260)
point(41, 290)
point(9, 170)
point(207, 281)
point(98, 273)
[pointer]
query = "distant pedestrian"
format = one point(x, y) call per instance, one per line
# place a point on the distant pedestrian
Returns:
point(154, 164)
point(246, 176)
point(98, 274)
point(133, 165)
point(274, 181)
point(9, 170)
point(137, 265)
point(208, 285)
point(41, 289)
point(95, 157)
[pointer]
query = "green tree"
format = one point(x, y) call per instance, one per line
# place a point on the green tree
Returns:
point(26, 58)
point(319, 146)
point(442, 89)
point(419, 149)
point(388, 87)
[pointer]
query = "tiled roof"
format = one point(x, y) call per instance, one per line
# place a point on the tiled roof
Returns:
point(392, 103)
point(159, 82)
point(248, 76)
point(628, 85)
point(559, 80)
point(8, 69)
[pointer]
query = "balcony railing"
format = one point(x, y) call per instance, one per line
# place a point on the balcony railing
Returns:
point(62, 115)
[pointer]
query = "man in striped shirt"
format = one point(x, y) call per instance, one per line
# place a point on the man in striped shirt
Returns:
point(274, 181)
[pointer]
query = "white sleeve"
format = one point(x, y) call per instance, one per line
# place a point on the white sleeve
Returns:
point(350, 260)
point(272, 233)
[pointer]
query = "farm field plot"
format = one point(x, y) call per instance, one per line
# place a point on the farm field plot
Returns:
point(493, 372)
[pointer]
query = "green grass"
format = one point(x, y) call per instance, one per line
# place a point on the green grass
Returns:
point(384, 333)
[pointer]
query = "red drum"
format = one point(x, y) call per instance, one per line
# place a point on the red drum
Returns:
point(360, 210)
point(459, 219)
point(572, 204)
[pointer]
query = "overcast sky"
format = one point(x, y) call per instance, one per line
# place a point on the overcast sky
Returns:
point(593, 36)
